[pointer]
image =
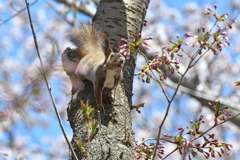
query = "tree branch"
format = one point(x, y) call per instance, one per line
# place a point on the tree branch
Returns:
point(45, 78)
point(17, 13)
point(81, 7)
point(63, 16)
point(205, 97)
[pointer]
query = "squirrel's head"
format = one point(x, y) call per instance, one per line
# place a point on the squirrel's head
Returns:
point(114, 60)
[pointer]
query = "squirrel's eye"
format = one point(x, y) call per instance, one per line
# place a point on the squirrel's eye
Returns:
point(112, 55)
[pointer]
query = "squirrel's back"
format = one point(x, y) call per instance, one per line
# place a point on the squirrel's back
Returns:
point(88, 38)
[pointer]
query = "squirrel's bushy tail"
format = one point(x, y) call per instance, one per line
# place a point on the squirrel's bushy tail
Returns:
point(88, 37)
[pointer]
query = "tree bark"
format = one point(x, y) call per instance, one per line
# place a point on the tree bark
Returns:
point(118, 19)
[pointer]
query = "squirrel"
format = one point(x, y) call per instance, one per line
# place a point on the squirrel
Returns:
point(95, 61)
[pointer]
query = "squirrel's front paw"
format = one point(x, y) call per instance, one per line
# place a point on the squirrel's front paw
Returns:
point(101, 108)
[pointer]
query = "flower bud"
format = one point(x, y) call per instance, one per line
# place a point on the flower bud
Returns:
point(223, 33)
point(187, 34)
point(233, 20)
point(203, 29)
point(209, 9)
point(123, 40)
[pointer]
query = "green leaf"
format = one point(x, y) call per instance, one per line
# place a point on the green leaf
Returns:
point(94, 126)
point(205, 144)
point(237, 83)
point(139, 43)
point(175, 50)
point(83, 106)
point(159, 70)
point(215, 35)
point(222, 17)
point(182, 141)
point(176, 138)
point(131, 46)
point(218, 105)
point(180, 41)
point(174, 43)
point(196, 126)
point(207, 44)
point(180, 134)
point(145, 67)
point(93, 112)
point(79, 143)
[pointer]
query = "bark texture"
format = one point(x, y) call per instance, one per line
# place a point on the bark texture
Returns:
point(118, 19)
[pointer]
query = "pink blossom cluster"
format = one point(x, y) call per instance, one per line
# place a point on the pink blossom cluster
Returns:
point(219, 36)
point(166, 58)
point(220, 114)
point(221, 20)
point(146, 151)
point(210, 143)
point(134, 45)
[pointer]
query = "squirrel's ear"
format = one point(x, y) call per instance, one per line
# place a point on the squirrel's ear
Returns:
point(106, 45)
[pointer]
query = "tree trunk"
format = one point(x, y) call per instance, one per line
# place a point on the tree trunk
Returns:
point(118, 19)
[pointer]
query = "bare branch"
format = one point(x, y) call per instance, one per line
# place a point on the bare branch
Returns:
point(214, 127)
point(17, 13)
point(169, 104)
point(63, 16)
point(186, 53)
point(150, 139)
point(81, 8)
point(45, 78)
point(170, 153)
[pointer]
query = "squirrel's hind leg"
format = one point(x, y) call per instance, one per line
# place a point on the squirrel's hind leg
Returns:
point(98, 87)
point(108, 97)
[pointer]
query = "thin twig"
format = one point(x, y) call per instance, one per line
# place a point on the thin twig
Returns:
point(176, 69)
point(214, 127)
point(170, 153)
point(59, 13)
point(81, 8)
point(88, 137)
point(17, 13)
point(169, 104)
point(99, 131)
point(150, 139)
point(190, 65)
point(45, 78)
point(11, 4)
point(213, 26)
point(201, 55)
point(186, 52)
